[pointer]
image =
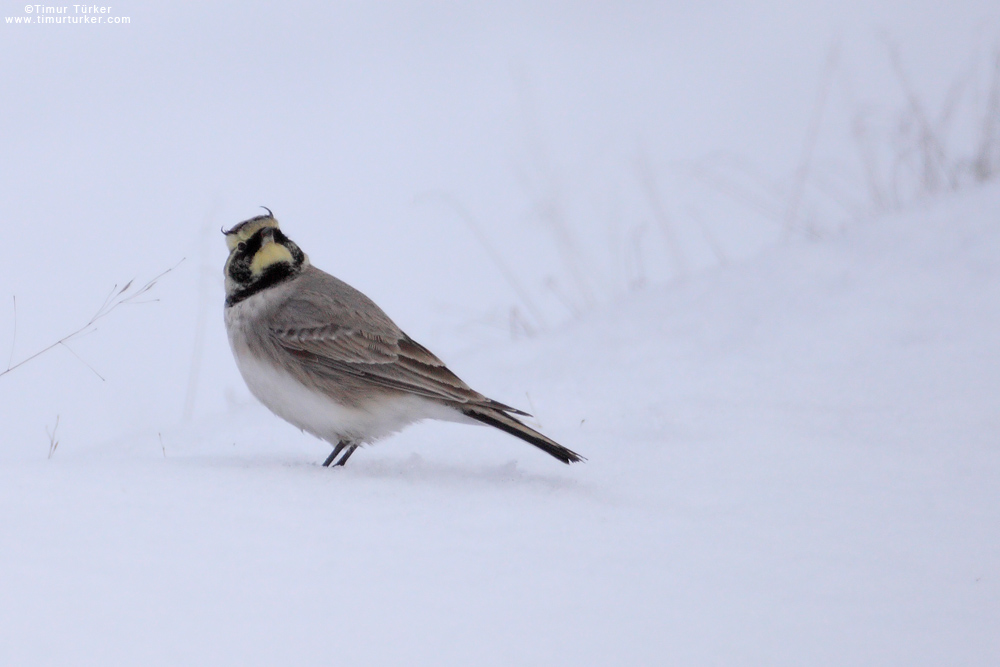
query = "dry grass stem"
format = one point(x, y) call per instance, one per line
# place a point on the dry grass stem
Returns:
point(115, 298)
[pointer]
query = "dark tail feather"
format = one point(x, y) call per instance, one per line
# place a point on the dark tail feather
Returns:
point(505, 422)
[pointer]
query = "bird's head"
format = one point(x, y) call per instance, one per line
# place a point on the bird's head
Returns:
point(260, 256)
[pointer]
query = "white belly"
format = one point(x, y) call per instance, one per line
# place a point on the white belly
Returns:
point(317, 413)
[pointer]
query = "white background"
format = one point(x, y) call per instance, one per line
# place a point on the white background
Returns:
point(776, 476)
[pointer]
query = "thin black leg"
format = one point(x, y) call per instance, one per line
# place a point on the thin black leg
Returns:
point(336, 450)
point(347, 455)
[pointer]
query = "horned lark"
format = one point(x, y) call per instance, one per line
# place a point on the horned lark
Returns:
point(322, 356)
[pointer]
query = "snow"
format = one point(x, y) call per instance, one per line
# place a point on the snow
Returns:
point(792, 442)
point(792, 460)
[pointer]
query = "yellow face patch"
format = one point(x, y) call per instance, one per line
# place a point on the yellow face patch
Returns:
point(270, 253)
point(247, 230)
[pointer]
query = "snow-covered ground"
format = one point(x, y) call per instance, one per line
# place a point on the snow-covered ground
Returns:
point(793, 460)
point(794, 446)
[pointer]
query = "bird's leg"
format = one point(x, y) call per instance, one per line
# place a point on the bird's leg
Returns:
point(336, 450)
point(347, 455)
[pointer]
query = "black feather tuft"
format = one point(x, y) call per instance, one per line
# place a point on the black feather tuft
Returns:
point(509, 424)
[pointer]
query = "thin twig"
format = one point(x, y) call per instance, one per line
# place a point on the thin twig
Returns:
point(13, 340)
point(533, 417)
point(544, 194)
point(931, 148)
point(984, 161)
point(812, 136)
point(53, 443)
point(635, 271)
point(498, 260)
point(710, 239)
point(553, 285)
point(824, 182)
point(114, 299)
point(726, 186)
point(73, 352)
point(647, 180)
point(518, 323)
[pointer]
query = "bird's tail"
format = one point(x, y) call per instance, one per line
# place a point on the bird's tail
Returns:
point(505, 422)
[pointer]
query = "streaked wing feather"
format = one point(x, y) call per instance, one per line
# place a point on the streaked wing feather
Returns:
point(387, 363)
point(334, 328)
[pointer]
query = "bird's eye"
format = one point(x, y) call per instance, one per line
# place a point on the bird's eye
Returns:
point(241, 246)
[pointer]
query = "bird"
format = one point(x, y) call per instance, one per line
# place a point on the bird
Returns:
point(322, 356)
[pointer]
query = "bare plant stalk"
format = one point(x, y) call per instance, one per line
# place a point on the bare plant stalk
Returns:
point(519, 324)
point(648, 181)
point(748, 170)
point(825, 182)
point(634, 267)
point(546, 201)
point(494, 254)
point(197, 350)
point(550, 213)
point(116, 297)
point(13, 340)
point(730, 188)
point(983, 165)
point(812, 137)
point(53, 443)
point(553, 286)
point(867, 153)
point(713, 243)
point(869, 159)
point(931, 150)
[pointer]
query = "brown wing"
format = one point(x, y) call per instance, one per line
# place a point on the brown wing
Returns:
point(334, 329)
point(397, 363)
